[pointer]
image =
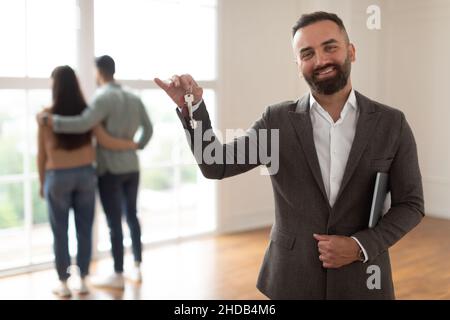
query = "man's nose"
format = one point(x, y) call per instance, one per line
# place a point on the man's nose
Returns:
point(322, 59)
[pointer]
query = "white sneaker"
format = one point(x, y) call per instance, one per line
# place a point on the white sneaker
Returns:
point(83, 287)
point(62, 290)
point(136, 274)
point(114, 281)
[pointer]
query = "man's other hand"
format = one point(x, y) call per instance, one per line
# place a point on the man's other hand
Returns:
point(336, 251)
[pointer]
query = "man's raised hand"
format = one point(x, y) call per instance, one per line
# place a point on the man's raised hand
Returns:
point(178, 86)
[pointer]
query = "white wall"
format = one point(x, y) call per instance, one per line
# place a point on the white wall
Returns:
point(401, 65)
point(417, 81)
point(256, 69)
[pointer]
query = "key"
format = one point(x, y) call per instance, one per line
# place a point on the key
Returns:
point(189, 99)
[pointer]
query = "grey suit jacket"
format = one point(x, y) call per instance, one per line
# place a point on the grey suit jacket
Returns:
point(291, 268)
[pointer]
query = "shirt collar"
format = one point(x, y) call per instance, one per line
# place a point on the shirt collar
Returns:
point(112, 84)
point(351, 100)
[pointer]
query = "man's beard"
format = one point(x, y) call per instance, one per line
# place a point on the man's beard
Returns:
point(330, 85)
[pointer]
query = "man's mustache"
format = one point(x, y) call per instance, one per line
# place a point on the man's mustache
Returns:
point(319, 69)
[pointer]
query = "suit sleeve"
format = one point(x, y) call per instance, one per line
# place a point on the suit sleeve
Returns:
point(407, 206)
point(219, 161)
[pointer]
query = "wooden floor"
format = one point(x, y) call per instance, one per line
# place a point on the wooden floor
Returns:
point(226, 267)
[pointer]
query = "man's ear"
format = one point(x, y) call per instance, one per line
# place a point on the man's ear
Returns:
point(352, 52)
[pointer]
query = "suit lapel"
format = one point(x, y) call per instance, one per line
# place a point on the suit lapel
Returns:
point(367, 122)
point(301, 121)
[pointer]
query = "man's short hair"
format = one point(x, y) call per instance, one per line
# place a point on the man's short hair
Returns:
point(106, 65)
point(310, 18)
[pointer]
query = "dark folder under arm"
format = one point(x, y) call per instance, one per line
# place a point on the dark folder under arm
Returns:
point(379, 196)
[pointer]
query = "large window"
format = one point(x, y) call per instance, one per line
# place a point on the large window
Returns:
point(173, 199)
point(147, 38)
point(36, 36)
point(32, 47)
point(156, 37)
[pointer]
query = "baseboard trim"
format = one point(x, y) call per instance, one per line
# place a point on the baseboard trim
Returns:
point(245, 221)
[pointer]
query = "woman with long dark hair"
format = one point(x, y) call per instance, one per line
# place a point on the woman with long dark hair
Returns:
point(68, 178)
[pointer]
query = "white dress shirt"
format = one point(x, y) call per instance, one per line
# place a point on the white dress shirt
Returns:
point(333, 141)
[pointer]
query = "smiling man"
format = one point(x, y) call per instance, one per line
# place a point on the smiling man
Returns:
point(332, 143)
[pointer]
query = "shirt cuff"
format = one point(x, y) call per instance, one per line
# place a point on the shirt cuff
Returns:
point(195, 106)
point(55, 122)
point(366, 258)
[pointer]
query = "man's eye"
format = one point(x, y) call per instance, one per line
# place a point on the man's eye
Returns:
point(306, 55)
point(330, 48)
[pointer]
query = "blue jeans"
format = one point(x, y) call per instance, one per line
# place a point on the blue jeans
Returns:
point(118, 194)
point(65, 189)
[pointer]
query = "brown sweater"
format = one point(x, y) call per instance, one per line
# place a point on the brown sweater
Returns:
point(60, 158)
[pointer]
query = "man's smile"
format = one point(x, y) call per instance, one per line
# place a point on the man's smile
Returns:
point(325, 72)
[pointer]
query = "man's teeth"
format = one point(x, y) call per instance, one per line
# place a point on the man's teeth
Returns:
point(327, 70)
